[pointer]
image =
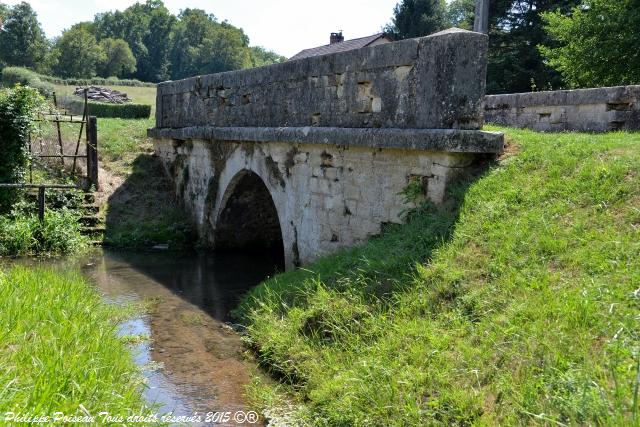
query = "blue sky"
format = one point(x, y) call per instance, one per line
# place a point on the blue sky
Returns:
point(285, 26)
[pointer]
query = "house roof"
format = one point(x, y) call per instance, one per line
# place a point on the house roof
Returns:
point(339, 47)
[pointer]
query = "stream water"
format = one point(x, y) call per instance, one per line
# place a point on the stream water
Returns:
point(194, 362)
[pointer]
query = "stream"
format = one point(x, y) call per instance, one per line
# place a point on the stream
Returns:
point(194, 362)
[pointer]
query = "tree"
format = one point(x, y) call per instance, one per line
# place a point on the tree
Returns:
point(117, 58)
point(22, 41)
point(4, 12)
point(78, 53)
point(516, 29)
point(416, 18)
point(461, 13)
point(599, 43)
point(202, 45)
point(260, 57)
point(158, 42)
point(147, 28)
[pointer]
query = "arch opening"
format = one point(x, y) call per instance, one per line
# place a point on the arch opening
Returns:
point(249, 219)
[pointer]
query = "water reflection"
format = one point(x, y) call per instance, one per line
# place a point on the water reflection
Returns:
point(212, 281)
point(193, 361)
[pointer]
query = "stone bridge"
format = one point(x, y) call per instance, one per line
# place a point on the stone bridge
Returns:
point(313, 155)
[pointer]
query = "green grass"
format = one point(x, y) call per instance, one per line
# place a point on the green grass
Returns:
point(59, 350)
point(138, 95)
point(143, 211)
point(515, 304)
point(59, 233)
point(121, 139)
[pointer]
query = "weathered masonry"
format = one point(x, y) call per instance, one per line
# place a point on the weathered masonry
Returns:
point(311, 155)
point(594, 110)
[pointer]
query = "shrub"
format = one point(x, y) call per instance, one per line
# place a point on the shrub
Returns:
point(25, 77)
point(104, 110)
point(114, 81)
point(18, 109)
point(24, 234)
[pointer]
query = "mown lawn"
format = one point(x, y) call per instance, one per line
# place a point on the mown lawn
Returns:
point(59, 351)
point(518, 303)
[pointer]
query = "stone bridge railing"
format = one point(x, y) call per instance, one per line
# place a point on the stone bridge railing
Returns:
point(593, 110)
point(431, 83)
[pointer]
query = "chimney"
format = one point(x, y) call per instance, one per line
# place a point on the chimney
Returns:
point(336, 38)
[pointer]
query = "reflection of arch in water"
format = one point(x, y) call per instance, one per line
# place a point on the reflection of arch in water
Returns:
point(248, 218)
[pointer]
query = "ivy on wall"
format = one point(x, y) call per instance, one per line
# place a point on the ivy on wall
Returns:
point(19, 107)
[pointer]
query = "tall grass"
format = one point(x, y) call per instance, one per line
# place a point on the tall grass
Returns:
point(23, 234)
point(517, 304)
point(59, 351)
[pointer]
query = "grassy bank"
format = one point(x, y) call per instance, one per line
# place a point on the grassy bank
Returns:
point(24, 234)
point(515, 304)
point(59, 350)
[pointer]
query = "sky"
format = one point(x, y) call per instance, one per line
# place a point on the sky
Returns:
point(284, 26)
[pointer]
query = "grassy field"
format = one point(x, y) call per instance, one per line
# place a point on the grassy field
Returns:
point(515, 304)
point(138, 95)
point(59, 351)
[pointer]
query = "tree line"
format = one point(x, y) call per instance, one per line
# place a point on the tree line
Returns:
point(144, 42)
point(540, 44)
point(533, 44)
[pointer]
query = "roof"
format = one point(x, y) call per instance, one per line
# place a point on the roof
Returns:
point(340, 47)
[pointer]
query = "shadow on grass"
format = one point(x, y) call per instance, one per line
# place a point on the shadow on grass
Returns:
point(143, 211)
point(379, 269)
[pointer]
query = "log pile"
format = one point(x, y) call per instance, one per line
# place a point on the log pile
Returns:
point(101, 94)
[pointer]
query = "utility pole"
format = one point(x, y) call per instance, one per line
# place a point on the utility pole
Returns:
point(481, 23)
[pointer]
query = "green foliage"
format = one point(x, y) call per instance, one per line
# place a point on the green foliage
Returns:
point(598, 43)
point(60, 348)
point(104, 110)
point(202, 45)
point(515, 305)
point(97, 81)
point(22, 233)
point(25, 77)
point(260, 57)
point(77, 53)
point(143, 212)
point(159, 45)
point(516, 29)
point(18, 109)
point(118, 60)
point(156, 66)
point(22, 41)
point(461, 13)
point(417, 18)
point(149, 45)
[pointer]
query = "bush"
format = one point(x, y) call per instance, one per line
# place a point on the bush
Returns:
point(113, 81)
point(25, 77)
point(18, 109)
point(24, 234)
point(104, 110)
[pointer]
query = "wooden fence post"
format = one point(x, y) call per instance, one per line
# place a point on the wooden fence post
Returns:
point(41, 203)
point(92, 152)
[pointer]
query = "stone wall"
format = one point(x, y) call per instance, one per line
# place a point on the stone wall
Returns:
point(429, 82)
point(327, 197)
point(595, 110)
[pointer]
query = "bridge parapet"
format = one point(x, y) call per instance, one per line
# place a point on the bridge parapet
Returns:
point(425, 83)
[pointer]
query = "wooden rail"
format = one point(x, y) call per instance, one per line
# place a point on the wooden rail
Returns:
point(41, 193)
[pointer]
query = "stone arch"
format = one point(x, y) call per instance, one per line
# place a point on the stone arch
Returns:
point(247, 216)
